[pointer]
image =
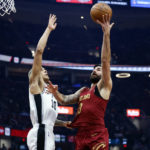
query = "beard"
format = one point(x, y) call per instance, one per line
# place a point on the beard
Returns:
point(94, 78)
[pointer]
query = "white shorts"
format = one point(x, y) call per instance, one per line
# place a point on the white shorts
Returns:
point(41, 138)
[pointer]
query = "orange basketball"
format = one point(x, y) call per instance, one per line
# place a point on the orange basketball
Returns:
point(98, 10)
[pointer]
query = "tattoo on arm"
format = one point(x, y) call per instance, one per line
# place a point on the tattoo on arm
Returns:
point(72, 98)
point(67, 99)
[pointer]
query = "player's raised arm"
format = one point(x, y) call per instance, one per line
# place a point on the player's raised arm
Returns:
point(64, 99)
point(37, 63)
point(106, 81)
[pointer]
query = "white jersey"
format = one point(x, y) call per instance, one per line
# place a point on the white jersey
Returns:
point(43, 108)
point(43, 113)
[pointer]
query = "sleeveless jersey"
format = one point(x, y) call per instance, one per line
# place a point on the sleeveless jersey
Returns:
point(43, 108)
point(91, 109)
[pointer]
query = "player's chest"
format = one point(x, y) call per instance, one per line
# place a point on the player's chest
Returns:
point(49, 101)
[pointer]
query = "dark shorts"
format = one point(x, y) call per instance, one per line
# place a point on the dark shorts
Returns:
point(92, 139)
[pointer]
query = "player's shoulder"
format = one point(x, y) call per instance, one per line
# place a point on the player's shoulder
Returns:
point(34, 79)
point(83, 88)
point(36, 87)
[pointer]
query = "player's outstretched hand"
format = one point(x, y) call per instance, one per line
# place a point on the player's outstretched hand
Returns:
point(52, 88)
point(67, 124)
point(106, 26)
point(52, 22)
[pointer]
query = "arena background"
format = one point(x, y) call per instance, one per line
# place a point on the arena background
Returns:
point(71, 51)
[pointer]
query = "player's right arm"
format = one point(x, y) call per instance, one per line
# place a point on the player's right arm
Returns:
point(105, 84)
point(61, 123)
point(64, 99)
point(37, 63)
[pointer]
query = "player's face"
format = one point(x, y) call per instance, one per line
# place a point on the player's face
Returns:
point(44, 75)
point(96, 74)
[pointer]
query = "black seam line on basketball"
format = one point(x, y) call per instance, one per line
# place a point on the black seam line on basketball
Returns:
point(41, 137)
point(100, 10)
point(38, 102)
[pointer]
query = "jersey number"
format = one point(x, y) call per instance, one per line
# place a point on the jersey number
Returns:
point(53, 103)
point(79, 109)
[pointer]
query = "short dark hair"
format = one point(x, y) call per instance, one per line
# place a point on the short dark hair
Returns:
point(97, 65)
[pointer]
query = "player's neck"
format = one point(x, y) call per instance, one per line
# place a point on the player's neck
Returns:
point(93, 84)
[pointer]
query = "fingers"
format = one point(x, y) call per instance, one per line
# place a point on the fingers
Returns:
point(56, 87)
point(109, 17)
point(55, 19)
point(50, 83)
point(103, 18)
point(106, 18)
point(52, 21)
point(55, 25)
point(49, 90)
point(52, 88)
point(68, 125)
point(49, 87)
point(52, 17)
point(69, 122)
point(105, 23)
point(112, 25)
point(99, 22)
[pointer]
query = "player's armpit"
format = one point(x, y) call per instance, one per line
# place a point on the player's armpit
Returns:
point(104, 90)
point(34, 88)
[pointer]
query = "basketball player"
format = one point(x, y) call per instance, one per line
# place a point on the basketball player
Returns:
point(43, 105)
point(92, 134)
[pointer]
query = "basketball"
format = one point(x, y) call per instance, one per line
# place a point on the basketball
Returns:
point(100, 9)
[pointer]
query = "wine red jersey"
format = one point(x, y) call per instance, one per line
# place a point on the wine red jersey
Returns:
point(91, 109)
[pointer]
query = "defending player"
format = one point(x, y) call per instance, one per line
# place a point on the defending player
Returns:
point(43, 105)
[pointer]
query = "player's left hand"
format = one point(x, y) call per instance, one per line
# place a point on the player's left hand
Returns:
point(106, 26)
point(52, 22)
point(67, 124)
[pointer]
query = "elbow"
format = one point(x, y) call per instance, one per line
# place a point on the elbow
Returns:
point(105, 60)
point(62, 102)
point(39, 50)
point(62, 99)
